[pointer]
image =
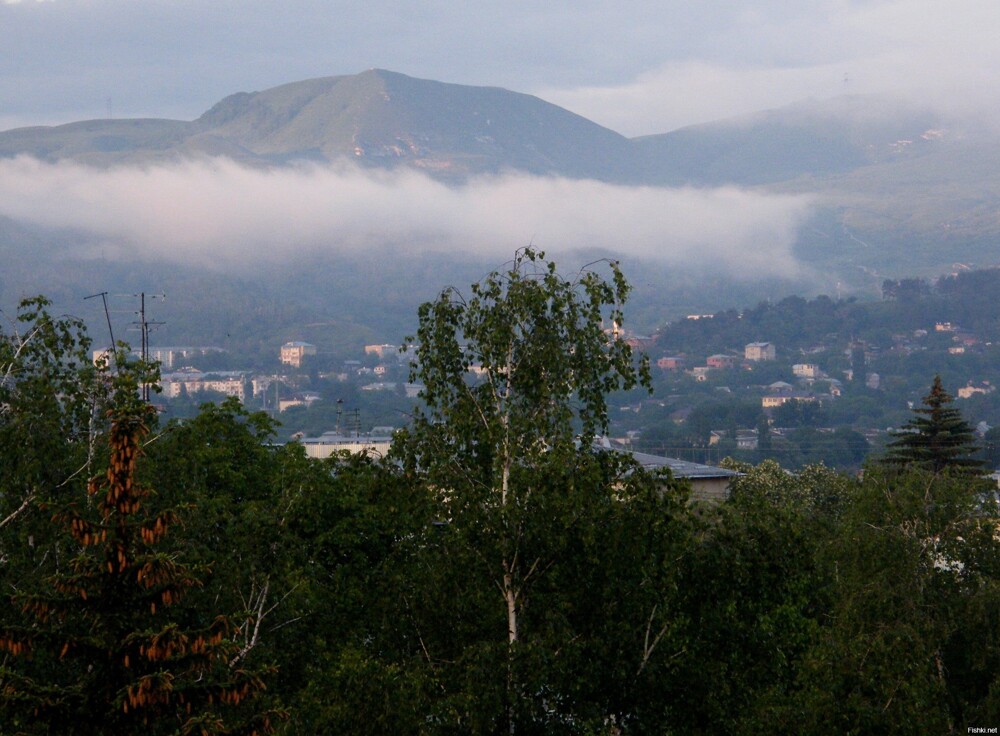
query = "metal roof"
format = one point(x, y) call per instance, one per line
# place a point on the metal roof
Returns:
point(682, 468)
point(679, 468)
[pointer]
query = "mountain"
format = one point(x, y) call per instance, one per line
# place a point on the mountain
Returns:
point(376, 118)
point(384, 119)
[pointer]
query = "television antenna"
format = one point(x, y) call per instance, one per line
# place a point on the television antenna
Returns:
point(111, 332)
point(144, 326)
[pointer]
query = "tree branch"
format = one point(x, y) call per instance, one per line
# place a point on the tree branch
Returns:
point(19, 510)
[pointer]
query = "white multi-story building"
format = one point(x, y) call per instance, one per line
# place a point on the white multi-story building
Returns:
point(191, 382)
point(167, 357)
point(292, 353)
point(381, 350)
point(331, 442)
point(806, 370)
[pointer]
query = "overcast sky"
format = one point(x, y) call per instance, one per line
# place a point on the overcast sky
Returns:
point(638, 67)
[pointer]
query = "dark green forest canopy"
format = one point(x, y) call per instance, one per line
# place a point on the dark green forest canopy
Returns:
point(369, 596)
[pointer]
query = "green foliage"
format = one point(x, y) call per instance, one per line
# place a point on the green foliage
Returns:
point(896, 656)
point(752, 597)
point(545, 359)
point(502, 575)
point(525, 554)
point(51, 404)
point(813, 489)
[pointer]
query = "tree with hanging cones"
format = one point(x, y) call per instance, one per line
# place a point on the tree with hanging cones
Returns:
point(106, 644)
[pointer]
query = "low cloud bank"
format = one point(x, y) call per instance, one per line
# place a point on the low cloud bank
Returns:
point(218, 213)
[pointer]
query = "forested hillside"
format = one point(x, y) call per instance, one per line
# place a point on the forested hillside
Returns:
point(850, 371)
point(967, 299)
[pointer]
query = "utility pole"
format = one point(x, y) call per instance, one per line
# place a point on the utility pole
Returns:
point(144, 326)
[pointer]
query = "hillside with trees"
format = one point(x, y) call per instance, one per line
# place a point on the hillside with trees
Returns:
point(496, 574)
point(854, 369)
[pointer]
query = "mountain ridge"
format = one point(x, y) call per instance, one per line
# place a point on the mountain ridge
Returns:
point(377, 118)
point(386, 119)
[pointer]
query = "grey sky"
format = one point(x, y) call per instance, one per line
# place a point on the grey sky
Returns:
point(638, 67)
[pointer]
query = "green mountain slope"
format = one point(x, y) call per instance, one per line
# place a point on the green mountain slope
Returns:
point(382, 118)
point(376, 118)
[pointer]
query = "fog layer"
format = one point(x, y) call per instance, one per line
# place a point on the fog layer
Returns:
point(220, 214)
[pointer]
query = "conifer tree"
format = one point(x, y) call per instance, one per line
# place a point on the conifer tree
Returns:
point(102, 646)
point(937, 439)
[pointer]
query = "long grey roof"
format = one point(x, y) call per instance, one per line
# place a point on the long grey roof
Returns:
point(682, 468)
point(679, 468)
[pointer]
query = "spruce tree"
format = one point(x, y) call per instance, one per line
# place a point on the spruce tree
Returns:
point(937, 439)
point(103, 646)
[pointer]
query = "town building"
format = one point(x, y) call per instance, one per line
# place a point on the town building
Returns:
point(967, 392)
point(170, 357)
point(806, 370)
point(167, 357)
point(292, 353)
point(773, 401)
point(189, 382)
point(305, 399)
point(708, 483)
point(330, 442)
point(746, 439)
point(671, 363)
point(700, 372)
point(721, 361)
point(381, 350)
point(759, 351)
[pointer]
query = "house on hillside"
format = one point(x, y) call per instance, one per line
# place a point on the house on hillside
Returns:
point(806, 370)
point(759, 351)
point(700, 372)
point(970, 390)
point(776, 400)
point(382, 350)
point(671, 363)
point(720, 361)
point(746, 439)
point(304, 399)
point(780, 387)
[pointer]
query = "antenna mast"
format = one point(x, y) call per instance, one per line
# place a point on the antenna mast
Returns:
point(144, 326)
point(111, 332)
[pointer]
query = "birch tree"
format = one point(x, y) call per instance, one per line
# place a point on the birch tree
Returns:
point(515, 378)
point(49, 401)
